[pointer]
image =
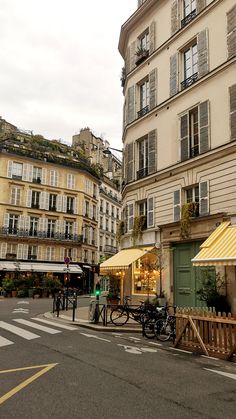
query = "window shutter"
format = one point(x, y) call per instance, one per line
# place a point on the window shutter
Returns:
point(132, 55)
point(25, 251)
point(202, 47)
point(201, 4)
point(152, 149)
point(13, 196)
point(64, 203)
point(41, 224)
point(52, 253)
point(40, 253)
point(59, 203)
point(177, 205)
point(90, 211)
point(204, 198)
point(52, 177)
point(58, 227)
point(131, 105)
point(130, 163)
point(152, 35)
point(30, 173)
point(62, 253)
point(174, 17)
point(75, 228)
point(27, 224)
point(174, 74)
point(150, 212)
point(42, 200)
point(3, 251)
point(127, 61)
point(63, 227)
point(45, 224)
point(21, 225)
point(44, 176)
point(6, 220)
point(9, 168)
point(56, 178)
point(20, 251)
point(76, 206)
point(184, 137)
point(74, 255)
point(152, 88)
point(25, 175)
point(46, 201)
point(204, 126)
point(29, 198)
point(232, 95)
point(130, 216)
point(231, 32)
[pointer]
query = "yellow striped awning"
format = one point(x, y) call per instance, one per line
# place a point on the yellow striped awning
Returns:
point(219, 249)
point(123, 259)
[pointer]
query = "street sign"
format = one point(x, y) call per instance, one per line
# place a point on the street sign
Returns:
point(67, 260)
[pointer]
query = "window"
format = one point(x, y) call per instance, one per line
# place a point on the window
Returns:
point(144, 41)
point(13, 223)
point(142, 51)
point(34, 221)
point(51, 228)
point(94, 190)
point(37, 175)
point(35, 199)
point(117, 214)
point(50, 253)
point(130, 216)
point(85, 255)
point(144, 98)
point(101, 205)
point(68, 229)
point(142, 212)
point(11, 251)
point(86, 209)
point(112, 211)
point(17, 170)
point(112, 227)
point(32, 252)
point(107, 208)
point(189, 11)
point(15, 196)
point(143, 158)
point(70, 181)
point(94, 212)
point(101, 222)
point(93, 235)
point(190, 61)
point(52, 202)
point(193, 132)
point(101, 244)
point(107, 224)
point(70, 205)
point(192, 197)
point(93, 257)
point(53, 178)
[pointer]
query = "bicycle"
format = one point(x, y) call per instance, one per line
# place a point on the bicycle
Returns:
point(122, 313)
point(166, 328)
point(152, 316)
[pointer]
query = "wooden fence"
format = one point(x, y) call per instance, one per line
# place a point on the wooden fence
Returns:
point(206, 332)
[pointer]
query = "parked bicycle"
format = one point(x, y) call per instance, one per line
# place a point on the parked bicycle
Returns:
point(166, 328)
point(120, 314)
point(152, 316)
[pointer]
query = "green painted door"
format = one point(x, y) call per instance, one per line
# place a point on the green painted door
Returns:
point(185, 275)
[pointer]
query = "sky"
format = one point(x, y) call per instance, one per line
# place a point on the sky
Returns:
point(60, 66)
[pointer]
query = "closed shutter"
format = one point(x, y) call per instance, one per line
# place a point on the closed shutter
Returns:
point(75, 228)
point(125, 164)
point(76, 206)
point(6, 220)
point(231, 32)
point(41, 224)
point(131, 105)
point(150, 212)
point(13, 196)
point(25, 175)
point(177, 205)
point(42, 200)
point(90, 210)
point(56, 178)
point(184, 137)
point(127, 61)
point(152, 88)
point(59, 203)
point(174, 74)
point(174, 17)
point(62, 253)
point(152, 151)
point(9, 168)
point(204, 198)
point(52, 177)
point(232, 95)
point(58, 227)
point(130, 163)
point(204, 126)
point(53, 253)
point(152, 37)
point(30, 173)
point(25, 251)
point(74, 255)
point(3, 250)
point(202, 47)
point(63, 226)
point(28, 198)
point(201, 4)
point(130, 216)
point(40, 253)
point(20, 251)
point(21, 225)
point(45, 226)
point(44, 176)
point(132, 55)
point(46, 202)
point(27, 224)
point(64, 203)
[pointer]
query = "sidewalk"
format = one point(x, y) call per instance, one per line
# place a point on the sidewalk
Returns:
point(81, 319)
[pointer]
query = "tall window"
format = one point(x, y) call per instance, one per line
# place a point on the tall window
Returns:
point(51, 228)
point(11, 251)
point(144, 98)
point(189, 7)
point(68, 229)
point(52, 202)
point(17, 170)
point(32, 252)
point(144, 41)
point(190, 59)
point(33, 226)
point(35, 199)
point(13, 223)
point(192, 196)
point(70, 205)
point(37, 174)
point(193, 132)
point(15, 196)
point(143, 158)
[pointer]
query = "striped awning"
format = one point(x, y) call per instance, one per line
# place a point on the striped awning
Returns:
point(123, 259)
point(219, 249)
point(39, 267)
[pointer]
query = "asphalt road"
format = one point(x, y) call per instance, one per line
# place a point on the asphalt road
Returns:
point(82, 374)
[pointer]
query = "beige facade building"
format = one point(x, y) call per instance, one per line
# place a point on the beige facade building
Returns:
point(179, 136)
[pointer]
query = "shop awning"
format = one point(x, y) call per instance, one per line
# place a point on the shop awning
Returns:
point(123, 259)
point(219, 249)
point(39, 267)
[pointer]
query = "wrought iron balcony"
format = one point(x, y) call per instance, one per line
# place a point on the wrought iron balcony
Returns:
point(143, 111)
point(142, 173)
point(141, 55)
point(189, 81)
point(188, 18)
point(110, 249)
point(37, 180)
point(42, 235)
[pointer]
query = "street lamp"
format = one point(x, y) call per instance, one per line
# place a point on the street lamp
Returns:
point(107, 150)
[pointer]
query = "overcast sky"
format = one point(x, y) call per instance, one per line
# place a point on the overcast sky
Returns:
point(60, 66)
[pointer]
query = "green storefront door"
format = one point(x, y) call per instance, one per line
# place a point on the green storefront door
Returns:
point(185, 275)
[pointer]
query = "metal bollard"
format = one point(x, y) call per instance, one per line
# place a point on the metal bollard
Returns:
point(74, 306)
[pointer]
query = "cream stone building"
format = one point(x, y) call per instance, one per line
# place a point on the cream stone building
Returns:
point(179, 133)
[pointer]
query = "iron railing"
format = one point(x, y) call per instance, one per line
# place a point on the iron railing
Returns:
point(142, 173)
point(143, 111)
point(188, 18)
point(7, 231)
point(189, 81)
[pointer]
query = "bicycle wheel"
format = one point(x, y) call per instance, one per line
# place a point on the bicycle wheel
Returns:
point(149, 328)
point(119, 316)
point(162, 330)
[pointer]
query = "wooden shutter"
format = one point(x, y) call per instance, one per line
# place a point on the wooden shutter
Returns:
point(204, 198)
point(184, 137)
point(46, 201)
point(25, 251)
point(127, 60)
point(40, 253)
point(9, 168)
point(201, 4)
point(76, 206)
point(62, 226)
point(59, 203)
point(41, 224)
point(75, 227)
point(177, 205)
point(130, 163)
point(152, 37)
point(29, 198)
point(21, 225)
point(150, 212)
point(174, 17)
point(20, 251)
point(27, 224)
point(152, 149)
point(62, 253)
point(231, 32)
point(202, 47)
point(13, 196)
point(42, 200)
point(74, 254)
point(131, 105)
point(3, 250)
point(44, 176)
point(56, 178)
point(64, 203)
point(132, 55)
point(204, 126)
point(130, 216)
point(30, 173)
point(174, 74)
point(6, 220)
point(25, 175)
point(58, 227)
point(232, 95)
point(152, 88)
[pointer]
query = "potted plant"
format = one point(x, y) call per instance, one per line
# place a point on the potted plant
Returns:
point(9, 286)
point(141, 54)
point(212, 291)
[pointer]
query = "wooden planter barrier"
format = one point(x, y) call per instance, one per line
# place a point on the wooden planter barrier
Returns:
point(206, 332)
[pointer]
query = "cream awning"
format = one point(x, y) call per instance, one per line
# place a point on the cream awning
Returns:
point(123, 259)
point(38, 267)
point(219, 249)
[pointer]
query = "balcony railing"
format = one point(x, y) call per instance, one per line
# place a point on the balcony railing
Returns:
point(37, 180)
point(142, 173)
point(110, 249)
point(141, 55)
point(6, 231)
point(188, 18)
point(194, 151)
point(189, 81)
point(35, 205)
point(143, 111)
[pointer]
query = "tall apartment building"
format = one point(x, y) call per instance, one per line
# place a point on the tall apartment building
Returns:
point(48, 208)
point(179, 137)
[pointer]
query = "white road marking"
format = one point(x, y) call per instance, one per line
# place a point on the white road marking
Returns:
point(156, 344)
point(62, 326)
point(20, 310)
point(37, 326)
point(145, 349)
point(94, 337)
point(225, 374)
point(137, 351)
point(18, 331)
point(210, 357)
point(180, 350)
point(5, 342)
point(23, 302)
point(133, 338)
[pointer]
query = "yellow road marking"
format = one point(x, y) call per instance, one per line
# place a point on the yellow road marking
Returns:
point(25, 383)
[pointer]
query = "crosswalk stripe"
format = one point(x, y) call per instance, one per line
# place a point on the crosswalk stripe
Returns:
point(37, 326)
point(62, 326)
point(18, 331)
point(5, 342)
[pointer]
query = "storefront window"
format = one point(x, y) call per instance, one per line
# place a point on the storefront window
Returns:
point(145, 275)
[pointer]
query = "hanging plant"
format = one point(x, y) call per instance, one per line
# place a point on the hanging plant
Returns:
point(191, 209)
point(139, 223)
point(120, 231)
